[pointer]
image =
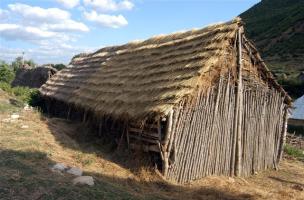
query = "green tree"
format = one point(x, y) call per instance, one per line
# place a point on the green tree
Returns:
point(17, 63)
point(59, 66)
point(6, 74)
point(30, 62)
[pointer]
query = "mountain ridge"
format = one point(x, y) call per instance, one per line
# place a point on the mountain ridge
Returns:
point(277, 28)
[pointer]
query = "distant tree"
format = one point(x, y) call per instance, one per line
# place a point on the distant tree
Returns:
point(17, 63)
point(30, 62)
point(59, 66)
point(6, 74)
point(295, 88)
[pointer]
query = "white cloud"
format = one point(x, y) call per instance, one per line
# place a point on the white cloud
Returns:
point(52, 19)
point(113, 21)
point(15, 31)
point(109, 5)
point(49, 53)
point(39, 14)
point(52, 33)
point(67, 26)
point(3, 14)
point(69, 3)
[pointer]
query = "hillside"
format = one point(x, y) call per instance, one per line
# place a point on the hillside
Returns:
point(277, 28)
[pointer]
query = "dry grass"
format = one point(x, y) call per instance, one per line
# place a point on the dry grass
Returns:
point(27, 154)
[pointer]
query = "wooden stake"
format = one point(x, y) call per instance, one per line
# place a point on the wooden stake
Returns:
point(239, 108)
point(283, 134)
point(165, 165)
point(69, 112)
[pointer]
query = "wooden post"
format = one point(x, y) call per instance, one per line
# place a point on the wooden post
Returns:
point(283, 135)
point(69, 112)
point(165, 160)
point(128, 137)
point(84, 116)
point(159, 128)
point(238, 109)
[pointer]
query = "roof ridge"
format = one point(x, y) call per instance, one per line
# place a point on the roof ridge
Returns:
point(177, 36)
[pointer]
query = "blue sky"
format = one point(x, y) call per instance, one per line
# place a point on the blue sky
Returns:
point(52, 31)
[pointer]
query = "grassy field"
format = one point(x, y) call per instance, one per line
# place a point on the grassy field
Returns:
point(26, 155)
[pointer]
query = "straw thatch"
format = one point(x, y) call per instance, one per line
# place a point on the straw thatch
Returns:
point(33, 77)
point(145, 77)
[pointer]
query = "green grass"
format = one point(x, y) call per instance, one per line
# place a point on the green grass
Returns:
point(8, 108)
point(294, 152)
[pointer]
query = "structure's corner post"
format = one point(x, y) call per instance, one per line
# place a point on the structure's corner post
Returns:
point(164, 149)
point(127, 134)
point(283, 134)
point(69, 113)
point(84, 118)
point(239, 108)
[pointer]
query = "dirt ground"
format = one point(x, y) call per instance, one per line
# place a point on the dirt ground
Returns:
point(31, 144)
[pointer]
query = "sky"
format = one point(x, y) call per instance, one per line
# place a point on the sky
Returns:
point(53, 31)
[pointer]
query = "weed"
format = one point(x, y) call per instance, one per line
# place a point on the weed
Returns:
point(294, 152)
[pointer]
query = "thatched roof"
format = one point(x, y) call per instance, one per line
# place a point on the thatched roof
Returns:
point(33, 77)
point(141, 78)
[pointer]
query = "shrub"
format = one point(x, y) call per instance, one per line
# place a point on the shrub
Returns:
point(59, 66)
point(24, 94)
point(6, 75)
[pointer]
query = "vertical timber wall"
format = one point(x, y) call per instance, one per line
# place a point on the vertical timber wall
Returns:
point(204, 141)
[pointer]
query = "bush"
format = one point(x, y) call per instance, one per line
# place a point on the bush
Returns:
point(24, 94)
point(59, 66)
point(6, 75)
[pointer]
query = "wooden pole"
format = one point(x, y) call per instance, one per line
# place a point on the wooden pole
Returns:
point(84, 117)
point(239, 108)
point(69, 112)
point(165, 164)
point(283, 135)
point(128, 136)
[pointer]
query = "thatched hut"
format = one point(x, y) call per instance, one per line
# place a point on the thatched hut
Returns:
point(33, 77)
point(202, 100)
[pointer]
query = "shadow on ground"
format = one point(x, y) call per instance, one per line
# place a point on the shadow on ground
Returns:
point(27, 175)
point(84, 141)
point(285, 181)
